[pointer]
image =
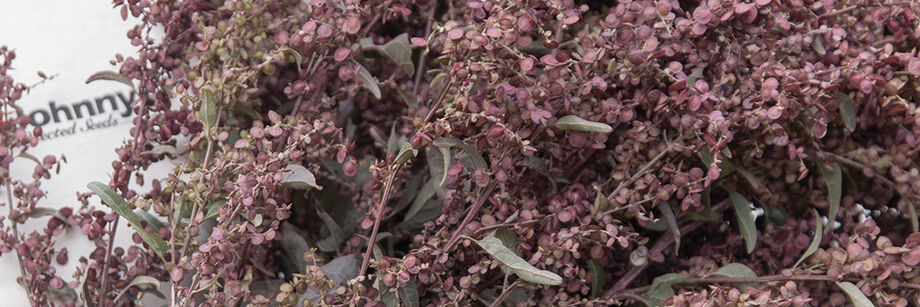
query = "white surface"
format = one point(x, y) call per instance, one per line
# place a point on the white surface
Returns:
point(72, 39)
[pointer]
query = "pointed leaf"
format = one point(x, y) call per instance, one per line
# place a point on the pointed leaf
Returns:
point(406, 152)
point(815, 241)
point(494, 247)
point(120, 206)
point(661, 290)
point(671, 220)
point(600, 278)
point(737, 270)
point(857, 297)
point(573, 122)
point(745, 221)
point(400, 51)
point(151, 220)
point(368, 81)
point(298, 177)
point(427, 191)
point(834, 181)
point(214, 208)
point(408, 295)
point(110, 76)
point(207, 112)
point(847, 111)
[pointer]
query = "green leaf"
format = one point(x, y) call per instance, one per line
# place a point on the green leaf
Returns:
point(726, 167)
point(207, 112)
point(475, 156)
point(151, 220)
point(406, 152)
point(737, 270)
point(818, 46)
point(847, 111)
point(776, 215)
point(330, 243)
point(508, 237)
point(668, 215)
point(857, 297)
point(110, 76)
point(661, 290)
point(298, 177)
point(815, 241)
point(745, 220)
point(294, 245)
point(833, 178)
point(397, 50)
point(427, 191)
point(408, 295)
point(600, 278)
point(695, 74)
point(367, 80)
point(494, 247)
point(120, 206)
point(214, 208)
point(573, 122)
point(445, 161)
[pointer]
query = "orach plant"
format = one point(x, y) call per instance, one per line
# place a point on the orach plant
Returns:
point(489, 153)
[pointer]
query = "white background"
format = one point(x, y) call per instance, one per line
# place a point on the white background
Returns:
point(72, 39)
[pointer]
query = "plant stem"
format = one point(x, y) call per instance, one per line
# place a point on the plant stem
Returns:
point(440, 100)
point(420, 68)
point(103, 292)
point(22, 270)
point(469, 216)
point(505, 292)
point(379, 215)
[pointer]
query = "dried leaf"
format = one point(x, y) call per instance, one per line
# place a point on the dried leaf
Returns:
point(745, 220)
point(367, 80)
point(600, 278)
point(141, 282)
point(298, 177)
point(110, 76)
point(833, 178)
point(857, 297)
point(120, 206)
point(494, 247)
point(38, 212)
point(29, 156)
point(815, 241)
point(573, 122)
point(847, 111)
